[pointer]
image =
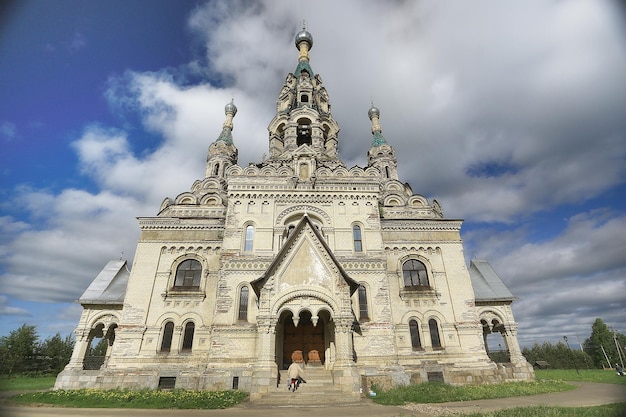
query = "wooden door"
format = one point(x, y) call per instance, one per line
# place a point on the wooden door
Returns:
point(305, 338)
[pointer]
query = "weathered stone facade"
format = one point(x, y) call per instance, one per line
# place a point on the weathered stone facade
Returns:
point(295, 258)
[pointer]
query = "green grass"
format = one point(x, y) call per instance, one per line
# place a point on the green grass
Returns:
point(26, 383)
point(439, 392)
point(92, 398)
point(612, 410)
point(584, 375)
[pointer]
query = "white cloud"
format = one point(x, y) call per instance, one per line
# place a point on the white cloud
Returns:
point(7, 310)
point(498, 111)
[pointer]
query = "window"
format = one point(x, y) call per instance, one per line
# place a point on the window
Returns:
point(188, 274)
point(216, 170)
point(188, 336)
point(414, 273)
point(168, 332)
point(249, 238)
point(356, 236)
point(414, 329)
point(167, 382)
point(363, 314)
point(304, 135)
point(243, 304)
point(434, 333)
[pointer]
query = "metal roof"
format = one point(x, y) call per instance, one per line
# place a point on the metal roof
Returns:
point(487, 284)
point(109, 287)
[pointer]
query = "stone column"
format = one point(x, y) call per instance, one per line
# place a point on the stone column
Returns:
point(265, 374)
point(80, 349)
point(510, 338)
point(343, 342)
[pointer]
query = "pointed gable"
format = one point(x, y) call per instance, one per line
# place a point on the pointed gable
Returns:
point(305, 259)
point(487, 284)
point(109, 287)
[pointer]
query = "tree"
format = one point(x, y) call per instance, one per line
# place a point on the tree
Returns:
point(559, 356)
point(603, 338)
point(18, 350)
point(98, 347)
point(56, 352)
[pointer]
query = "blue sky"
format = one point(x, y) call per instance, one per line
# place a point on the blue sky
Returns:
point(511, 116)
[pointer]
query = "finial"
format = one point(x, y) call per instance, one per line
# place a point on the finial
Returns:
point(377, 131)
point(231, 110)
point(304, 42)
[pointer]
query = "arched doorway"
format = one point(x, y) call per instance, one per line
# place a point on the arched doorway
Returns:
point(305, 338)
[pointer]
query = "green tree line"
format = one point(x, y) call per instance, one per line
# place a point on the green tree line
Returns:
point(602, 344)
point(21, 352)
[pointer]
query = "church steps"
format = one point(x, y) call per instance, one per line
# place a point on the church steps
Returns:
point(319, 390)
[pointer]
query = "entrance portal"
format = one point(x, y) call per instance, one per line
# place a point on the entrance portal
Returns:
point(305, 342)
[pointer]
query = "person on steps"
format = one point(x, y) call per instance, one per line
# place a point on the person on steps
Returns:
point(294, 374)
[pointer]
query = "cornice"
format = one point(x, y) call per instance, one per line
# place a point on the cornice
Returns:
point(420, 225)
point(178, 224)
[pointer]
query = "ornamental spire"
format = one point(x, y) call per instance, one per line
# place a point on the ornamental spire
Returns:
point(231, 110)
point(378, 138)
point(304, 43)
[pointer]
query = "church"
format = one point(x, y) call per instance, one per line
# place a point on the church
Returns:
point(297, 258)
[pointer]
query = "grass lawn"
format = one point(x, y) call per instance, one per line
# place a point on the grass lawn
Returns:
point(612, 410)
point(583, 375)
point(96, 398)
point(435, 392)
point(26, 383)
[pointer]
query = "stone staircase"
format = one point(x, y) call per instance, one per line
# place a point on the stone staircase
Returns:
point(318, 391)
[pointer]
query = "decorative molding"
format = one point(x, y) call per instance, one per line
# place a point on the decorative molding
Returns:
point(306, 209)
point(421, 225)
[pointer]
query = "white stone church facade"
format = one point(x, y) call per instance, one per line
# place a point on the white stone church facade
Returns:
point(296, 258)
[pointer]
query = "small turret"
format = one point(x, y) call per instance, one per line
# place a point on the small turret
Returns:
point(381, 155)
point(223, 153)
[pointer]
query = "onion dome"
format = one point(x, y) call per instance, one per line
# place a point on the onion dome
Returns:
point(304, 36)
point(373, 112)
point(230, 108)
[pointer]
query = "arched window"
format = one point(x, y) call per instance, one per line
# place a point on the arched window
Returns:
point(216, 170)
point(356, 237)
point(363, 310)
point(249, 238)
point(188, 336)
point(188, 274)
point(243, 304)
point(166, 341)
point(414, 273)
point(414, 329)
point(304, 134)
point(434, 333)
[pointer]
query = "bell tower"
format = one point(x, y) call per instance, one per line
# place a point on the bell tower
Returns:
point(303, 134)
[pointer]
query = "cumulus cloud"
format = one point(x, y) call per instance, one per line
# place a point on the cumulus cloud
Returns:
point(563, 282)
point(499, 111)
